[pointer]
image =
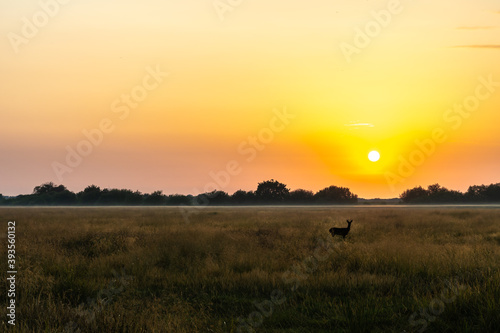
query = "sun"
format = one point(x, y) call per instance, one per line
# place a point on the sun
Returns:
point(374, 156)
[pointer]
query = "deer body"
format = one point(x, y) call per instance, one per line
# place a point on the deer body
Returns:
point(341, 231)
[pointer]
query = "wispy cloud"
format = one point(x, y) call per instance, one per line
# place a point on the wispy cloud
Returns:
point(485, 46)
point(359, 125)
point(476, 28)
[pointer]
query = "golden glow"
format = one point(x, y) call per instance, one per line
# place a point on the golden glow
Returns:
point(226, 77)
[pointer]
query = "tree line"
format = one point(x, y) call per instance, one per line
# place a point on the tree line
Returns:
point(436, 194)
point(267, 192)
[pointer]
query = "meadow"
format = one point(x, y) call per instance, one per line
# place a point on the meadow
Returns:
point(263, 269)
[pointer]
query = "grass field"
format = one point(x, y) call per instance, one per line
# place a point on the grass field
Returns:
point(256, 268)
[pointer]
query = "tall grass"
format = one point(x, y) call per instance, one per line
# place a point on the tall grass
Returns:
point(202, 275)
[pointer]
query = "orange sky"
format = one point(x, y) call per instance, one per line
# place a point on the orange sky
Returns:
point(298, 92)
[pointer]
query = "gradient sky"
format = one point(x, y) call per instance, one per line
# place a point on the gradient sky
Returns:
point(226, 79)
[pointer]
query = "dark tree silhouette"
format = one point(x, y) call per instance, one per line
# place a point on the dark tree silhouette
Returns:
point(179, 200)
point(90, 195)
point(272, 191)
point(268, 192)
point(120, 197)
point(48, 188)
point(301, 196)
point(157, 198)
point(241, 197)
point(439, 194)
point(476, 193)
point(435, 193)
point(416, 194)
point(483, 193)
point(492, 192)
point(436, 189)
point(213, 198)
point(49, 194)
point(334, 194)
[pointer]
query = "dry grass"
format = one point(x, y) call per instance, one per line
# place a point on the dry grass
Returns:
point(202, 275)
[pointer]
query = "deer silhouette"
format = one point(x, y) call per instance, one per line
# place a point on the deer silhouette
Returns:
point(341, 231)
